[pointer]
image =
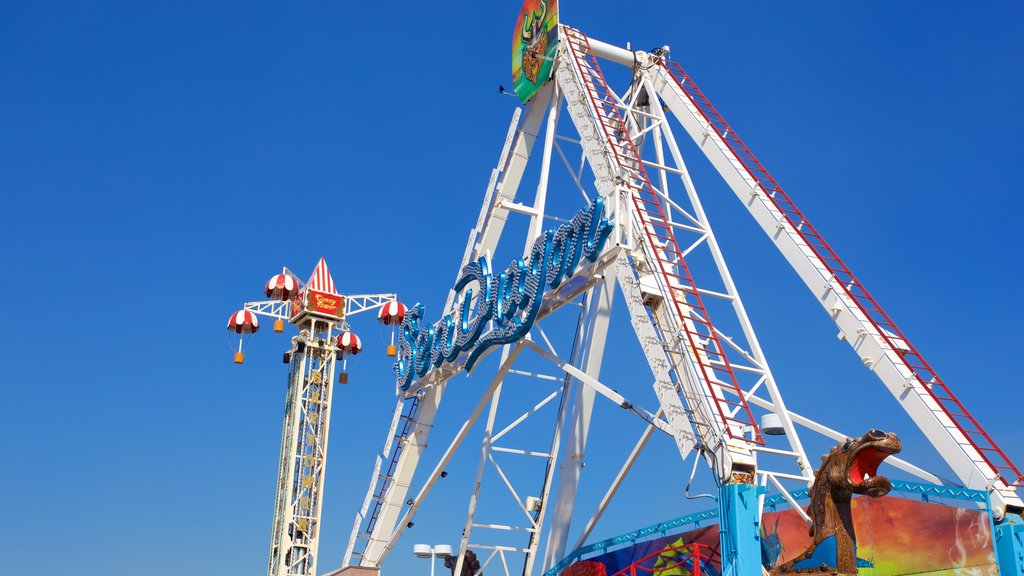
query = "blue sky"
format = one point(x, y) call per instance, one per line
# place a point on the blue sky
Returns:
point(160, 160)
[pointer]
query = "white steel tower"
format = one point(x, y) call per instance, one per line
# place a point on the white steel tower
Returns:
point(643, 233)
point(321, 315)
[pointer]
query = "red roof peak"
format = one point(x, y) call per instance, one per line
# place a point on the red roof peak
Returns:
point(321, 280)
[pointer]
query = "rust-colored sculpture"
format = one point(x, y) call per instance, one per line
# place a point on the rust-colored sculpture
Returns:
point(469, 566)
point(849, 468)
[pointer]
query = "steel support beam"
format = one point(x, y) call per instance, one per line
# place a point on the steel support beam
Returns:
point(598, 315)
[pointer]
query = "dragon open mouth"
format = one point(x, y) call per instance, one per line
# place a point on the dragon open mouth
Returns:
point(863, 468)
point(865, 464)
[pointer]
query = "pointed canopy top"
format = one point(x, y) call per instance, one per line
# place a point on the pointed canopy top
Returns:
point(321, 280)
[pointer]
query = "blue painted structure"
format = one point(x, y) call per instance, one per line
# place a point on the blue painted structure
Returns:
point(825, 554)
point(1009, 543)
point(739, 529)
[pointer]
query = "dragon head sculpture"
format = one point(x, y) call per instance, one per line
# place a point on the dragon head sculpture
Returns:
point(849, 468)
point(853, 465)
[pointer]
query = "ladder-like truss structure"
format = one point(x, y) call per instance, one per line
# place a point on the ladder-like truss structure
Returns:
point(294, 544)
point(709, 373)
point(883, 347)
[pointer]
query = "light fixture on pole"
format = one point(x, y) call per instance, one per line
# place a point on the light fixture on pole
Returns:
point(771, 424)
point(433, 552)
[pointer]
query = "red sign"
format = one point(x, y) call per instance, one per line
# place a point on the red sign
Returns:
point(325, 303)
point(315, 302)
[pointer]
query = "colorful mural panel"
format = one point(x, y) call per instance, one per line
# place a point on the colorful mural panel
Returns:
point(895, 537)
point(533, 46)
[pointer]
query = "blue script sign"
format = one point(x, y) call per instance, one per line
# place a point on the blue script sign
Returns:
point(508, 304)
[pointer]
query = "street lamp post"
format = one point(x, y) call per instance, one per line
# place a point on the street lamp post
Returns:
point(432, 552)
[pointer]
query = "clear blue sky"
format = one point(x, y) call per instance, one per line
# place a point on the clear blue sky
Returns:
point(160, 160)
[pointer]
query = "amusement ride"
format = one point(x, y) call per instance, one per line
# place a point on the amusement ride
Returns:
point(321, 315)
point(640, 228)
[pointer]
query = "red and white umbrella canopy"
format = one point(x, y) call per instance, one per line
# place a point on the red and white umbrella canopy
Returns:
point(350, 343)
point(392, 313)
point(281, 287)
point(244, 322)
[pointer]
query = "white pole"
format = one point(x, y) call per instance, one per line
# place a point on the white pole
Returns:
point(431, 561)
point(613, 53)
point(537, 219)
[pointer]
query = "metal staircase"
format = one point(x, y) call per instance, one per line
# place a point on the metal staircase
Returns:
point(668, 273)
point(945, 406)
point(385, 480)
point(403, 427)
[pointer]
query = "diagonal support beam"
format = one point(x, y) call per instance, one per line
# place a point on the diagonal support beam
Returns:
point(449, 452)
point(600, 388)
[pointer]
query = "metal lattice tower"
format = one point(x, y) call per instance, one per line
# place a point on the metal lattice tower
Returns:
point(321, 315)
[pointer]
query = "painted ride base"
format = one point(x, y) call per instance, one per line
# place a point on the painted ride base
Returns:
point(1009, 545)
point(932, 530)
point(740, 530)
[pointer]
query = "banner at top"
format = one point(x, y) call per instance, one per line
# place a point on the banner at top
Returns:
point(533, 46)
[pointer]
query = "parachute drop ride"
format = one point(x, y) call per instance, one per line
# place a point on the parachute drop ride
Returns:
point(321, 314)
point(392, 314)
point(242, 323)
point(281, 287)
point(350, 344)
